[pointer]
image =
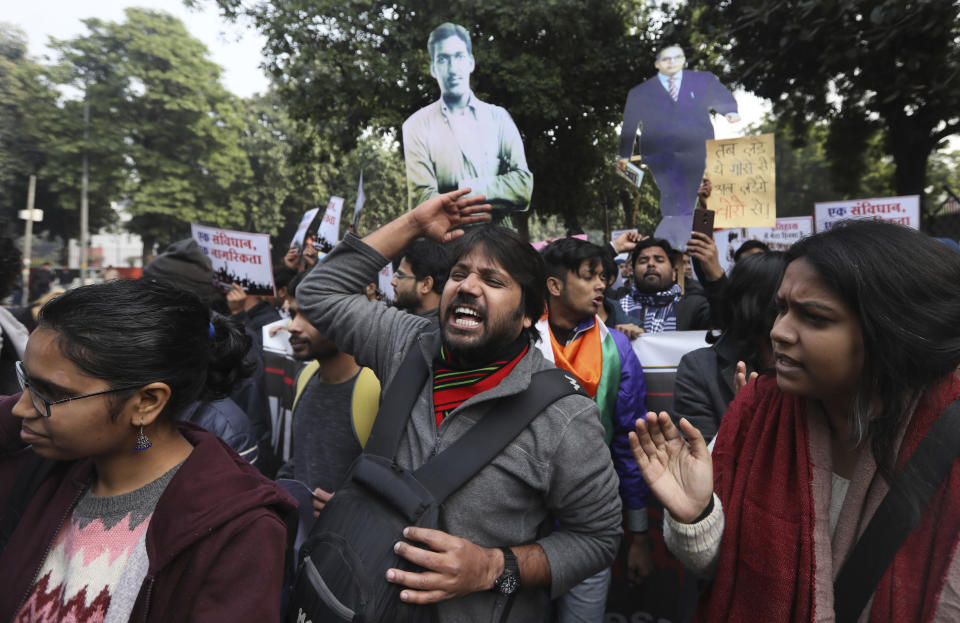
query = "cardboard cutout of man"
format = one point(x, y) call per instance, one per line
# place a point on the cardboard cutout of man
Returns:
point(674, 110)
point(459, 141)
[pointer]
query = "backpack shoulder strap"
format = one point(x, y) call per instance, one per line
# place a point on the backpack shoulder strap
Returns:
point(303, 378)
point(450, 469)
point(898, 514)
point(398, 400)
point(364, 404)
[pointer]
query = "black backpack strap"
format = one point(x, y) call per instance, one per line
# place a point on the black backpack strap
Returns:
point(450, 469)
point(898, 514)
point(397, 403)
point(34, 471)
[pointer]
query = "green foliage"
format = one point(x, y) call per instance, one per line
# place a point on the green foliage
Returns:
point(164, 135)
point(29, 123)
point(861, 65)
point(562, 69)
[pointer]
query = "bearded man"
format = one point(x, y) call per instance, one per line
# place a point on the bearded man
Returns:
point(556, 474)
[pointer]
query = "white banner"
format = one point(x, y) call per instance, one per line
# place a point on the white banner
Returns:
point(329, 234)
point(302, 228)
point(900, 210)
point(383, 282)
point(659, 354)
point(788, 230)
point(237, 257)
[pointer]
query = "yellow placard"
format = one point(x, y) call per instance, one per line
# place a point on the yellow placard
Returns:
point(743, 174)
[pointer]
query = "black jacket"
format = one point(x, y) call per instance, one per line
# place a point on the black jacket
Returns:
point(703, 388)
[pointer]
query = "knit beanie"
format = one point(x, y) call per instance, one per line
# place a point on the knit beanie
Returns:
point(183, 265)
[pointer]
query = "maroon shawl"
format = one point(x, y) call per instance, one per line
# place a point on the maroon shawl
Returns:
point(763, 476)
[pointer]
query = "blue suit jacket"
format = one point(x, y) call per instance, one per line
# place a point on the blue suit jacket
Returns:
point(670, 126)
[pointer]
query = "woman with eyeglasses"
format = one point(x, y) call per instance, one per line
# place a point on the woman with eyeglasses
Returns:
point(781, 515)
point(112, 510)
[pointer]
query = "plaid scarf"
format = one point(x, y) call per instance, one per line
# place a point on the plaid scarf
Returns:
point(656, 310)
point(452, 386)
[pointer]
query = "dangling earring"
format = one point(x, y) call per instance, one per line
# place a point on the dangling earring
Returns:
point(143, 442)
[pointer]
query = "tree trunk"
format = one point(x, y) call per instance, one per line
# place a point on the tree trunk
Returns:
point(629, 212)
point(911, 146)
point(149, 241)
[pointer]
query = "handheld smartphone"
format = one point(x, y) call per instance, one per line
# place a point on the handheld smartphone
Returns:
point(703, 221)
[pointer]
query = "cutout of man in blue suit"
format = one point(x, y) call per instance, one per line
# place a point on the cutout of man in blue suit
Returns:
point(674, 110)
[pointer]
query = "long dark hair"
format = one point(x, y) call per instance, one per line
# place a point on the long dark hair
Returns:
point(748, 312)
point(905, 288)
point(131, 332)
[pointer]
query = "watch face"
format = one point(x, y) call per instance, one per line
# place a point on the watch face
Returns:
point(509, 584)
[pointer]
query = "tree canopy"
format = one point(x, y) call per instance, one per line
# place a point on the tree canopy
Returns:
point(862, 65)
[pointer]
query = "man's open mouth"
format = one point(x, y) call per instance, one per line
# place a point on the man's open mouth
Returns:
point(466, 317)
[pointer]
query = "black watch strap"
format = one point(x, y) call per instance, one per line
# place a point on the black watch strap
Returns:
point(509, 580)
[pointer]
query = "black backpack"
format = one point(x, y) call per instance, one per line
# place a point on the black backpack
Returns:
point(344, 560)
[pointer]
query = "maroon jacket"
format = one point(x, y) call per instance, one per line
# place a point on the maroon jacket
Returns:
point(216, 541)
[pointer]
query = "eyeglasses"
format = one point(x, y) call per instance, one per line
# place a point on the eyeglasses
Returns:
point(42, 404)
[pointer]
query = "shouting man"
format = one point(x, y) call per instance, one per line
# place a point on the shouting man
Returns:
point(557, 471)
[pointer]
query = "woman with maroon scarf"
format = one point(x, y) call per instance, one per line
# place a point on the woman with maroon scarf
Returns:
point(867, 344)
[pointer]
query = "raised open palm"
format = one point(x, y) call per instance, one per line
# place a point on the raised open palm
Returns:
point(437, 217)
point(679, 471)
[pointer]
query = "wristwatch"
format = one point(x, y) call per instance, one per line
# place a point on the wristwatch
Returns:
point(509, 580)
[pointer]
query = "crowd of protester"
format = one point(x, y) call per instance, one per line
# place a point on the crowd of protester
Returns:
point(146, 472)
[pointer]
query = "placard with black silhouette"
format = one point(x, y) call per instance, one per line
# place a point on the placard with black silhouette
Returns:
point(237, 257)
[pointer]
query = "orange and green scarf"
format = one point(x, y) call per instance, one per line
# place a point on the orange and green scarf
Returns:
point(592, 356)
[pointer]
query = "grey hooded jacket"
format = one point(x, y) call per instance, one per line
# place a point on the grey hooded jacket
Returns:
point(557, 470)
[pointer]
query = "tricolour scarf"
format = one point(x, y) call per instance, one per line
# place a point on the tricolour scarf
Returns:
point(592, 356)
point(656, 311)
point(763, 475)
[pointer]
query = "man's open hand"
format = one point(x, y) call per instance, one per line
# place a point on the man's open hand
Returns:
point(436, 217)
point(455, 566)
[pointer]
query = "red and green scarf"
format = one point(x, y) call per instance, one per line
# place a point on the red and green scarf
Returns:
point(453, 385)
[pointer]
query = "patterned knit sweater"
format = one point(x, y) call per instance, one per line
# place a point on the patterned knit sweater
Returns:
point(102, 541)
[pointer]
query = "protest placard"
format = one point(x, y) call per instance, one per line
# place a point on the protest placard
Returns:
point(237, 257)
point(302, 228)
point(743, 174)
point(383, 282)
point(779, 238)
point(329, 234)
point(901, 210)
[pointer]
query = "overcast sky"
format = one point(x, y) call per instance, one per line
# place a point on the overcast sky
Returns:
point(235, 47)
